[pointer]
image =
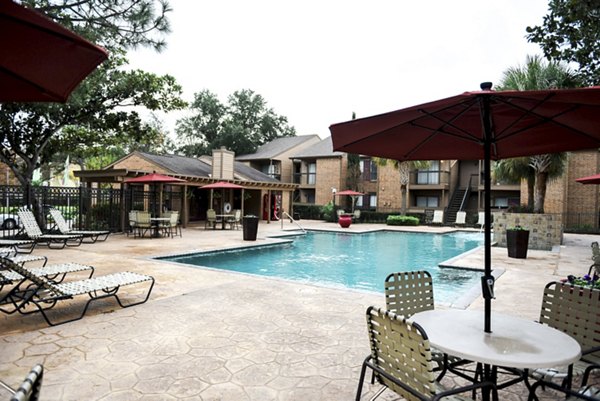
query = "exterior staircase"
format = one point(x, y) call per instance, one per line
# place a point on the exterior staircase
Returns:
point(454, 205)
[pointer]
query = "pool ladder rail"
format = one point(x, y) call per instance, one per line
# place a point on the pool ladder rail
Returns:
point(286, 215)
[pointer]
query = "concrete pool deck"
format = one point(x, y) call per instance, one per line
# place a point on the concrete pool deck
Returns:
point(216, 335)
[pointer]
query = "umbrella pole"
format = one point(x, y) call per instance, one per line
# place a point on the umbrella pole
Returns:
point(487, 281)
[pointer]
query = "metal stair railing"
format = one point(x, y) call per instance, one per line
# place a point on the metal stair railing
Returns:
point(286, 214)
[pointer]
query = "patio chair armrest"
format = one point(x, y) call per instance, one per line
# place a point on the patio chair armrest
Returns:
point(588, 371)
point(590, 350)
point(559, 388)
point(470, 387)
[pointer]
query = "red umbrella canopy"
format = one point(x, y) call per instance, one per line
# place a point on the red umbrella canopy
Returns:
point(521, 123)
point(592, 179)
point(482, 125)
point(222, 185)
point(41, 61)
point(349, 192)
point(153, 178)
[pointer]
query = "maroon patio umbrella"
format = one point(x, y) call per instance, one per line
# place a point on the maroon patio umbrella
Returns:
point(485, 125)
point(592, 179)
point(41, 61)
point(223, 185)
point(351, 193)
point(153, 178)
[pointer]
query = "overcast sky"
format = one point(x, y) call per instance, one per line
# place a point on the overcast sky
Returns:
point(316, 62)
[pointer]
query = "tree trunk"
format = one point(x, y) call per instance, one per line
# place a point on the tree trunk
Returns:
point(540, 192)
point(403, 204)
point(530, 192)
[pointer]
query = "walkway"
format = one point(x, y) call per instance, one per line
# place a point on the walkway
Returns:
point(211, 335)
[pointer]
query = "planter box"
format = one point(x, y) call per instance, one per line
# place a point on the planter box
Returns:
point(517, 243)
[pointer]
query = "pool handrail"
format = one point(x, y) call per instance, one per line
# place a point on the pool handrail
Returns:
point(286, 215)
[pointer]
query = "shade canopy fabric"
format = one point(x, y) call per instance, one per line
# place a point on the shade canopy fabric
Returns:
point(349, 192)
point(222, 185)
point(592, 179)
point(481, 125)
point(153, 178)
point(40, 60)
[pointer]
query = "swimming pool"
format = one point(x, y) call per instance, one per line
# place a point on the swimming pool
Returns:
point(359, 261)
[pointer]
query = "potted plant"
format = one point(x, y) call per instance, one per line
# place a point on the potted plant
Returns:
point(517, 239)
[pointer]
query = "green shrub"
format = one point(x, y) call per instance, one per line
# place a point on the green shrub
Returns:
point(308, 211)
point(328, 212)
point(402, 221)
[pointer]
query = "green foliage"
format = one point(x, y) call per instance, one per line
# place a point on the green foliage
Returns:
point(114, 24)
point(516, 228)
point(92, 122)
point(536, 75)
point(242, 125)
point(328, 212)
point(308, 211)
point(570, 32)
point(402, 221)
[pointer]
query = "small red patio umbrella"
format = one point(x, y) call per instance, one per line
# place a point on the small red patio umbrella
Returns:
point(484, 125)
point(223, 185)
point(40, 60)
point(155, 178)
point(592, 179)
point(351, 193)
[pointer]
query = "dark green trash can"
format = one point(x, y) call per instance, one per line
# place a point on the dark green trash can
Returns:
point(250, 228)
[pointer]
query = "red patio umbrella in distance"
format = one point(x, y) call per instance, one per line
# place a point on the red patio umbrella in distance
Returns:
point(40, 60)
point(351, 193)
point(485, 125)
point(592, 179)
point(154, 178)
point(223, 185)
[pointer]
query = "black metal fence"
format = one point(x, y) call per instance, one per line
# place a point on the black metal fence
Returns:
point(83, 208)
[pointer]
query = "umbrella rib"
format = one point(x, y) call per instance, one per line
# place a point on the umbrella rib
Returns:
point(51, 94)
point(543, 119)
point(468, 137)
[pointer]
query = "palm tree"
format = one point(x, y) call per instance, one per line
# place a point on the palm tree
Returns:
point(537, 74)
point(404, 168)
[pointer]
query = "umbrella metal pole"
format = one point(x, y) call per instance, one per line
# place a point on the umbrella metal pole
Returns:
point(487, 281)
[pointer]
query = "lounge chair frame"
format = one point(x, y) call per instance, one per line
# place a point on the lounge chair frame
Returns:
point(52, 241)
point(56, 273)
point(30, 388)
point(43, 295)
point(92, 236)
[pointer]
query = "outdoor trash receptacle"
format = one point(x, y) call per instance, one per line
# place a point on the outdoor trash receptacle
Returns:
point(250, 224)
point(296, 216)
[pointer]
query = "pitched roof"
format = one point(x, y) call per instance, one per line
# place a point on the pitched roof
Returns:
point(180, 164)
point(243, 172)
point(318, 150)
point(276, 147)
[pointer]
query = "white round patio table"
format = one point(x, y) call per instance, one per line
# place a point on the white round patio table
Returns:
point(514, 342)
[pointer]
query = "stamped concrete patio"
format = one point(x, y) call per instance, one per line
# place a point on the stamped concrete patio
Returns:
point(213, 335)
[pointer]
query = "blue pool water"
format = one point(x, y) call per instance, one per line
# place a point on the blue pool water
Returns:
point(360, 261)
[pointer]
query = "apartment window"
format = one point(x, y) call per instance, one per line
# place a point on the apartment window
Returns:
point(372, 200)
point(368, 169)
point(312, 173)
point(427, 201)
point(373, 171)
point(501, 202)
point(430, 175)
point(359, 201)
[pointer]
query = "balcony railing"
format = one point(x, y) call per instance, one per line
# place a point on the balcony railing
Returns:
point(429, 177)
point(305, 178)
